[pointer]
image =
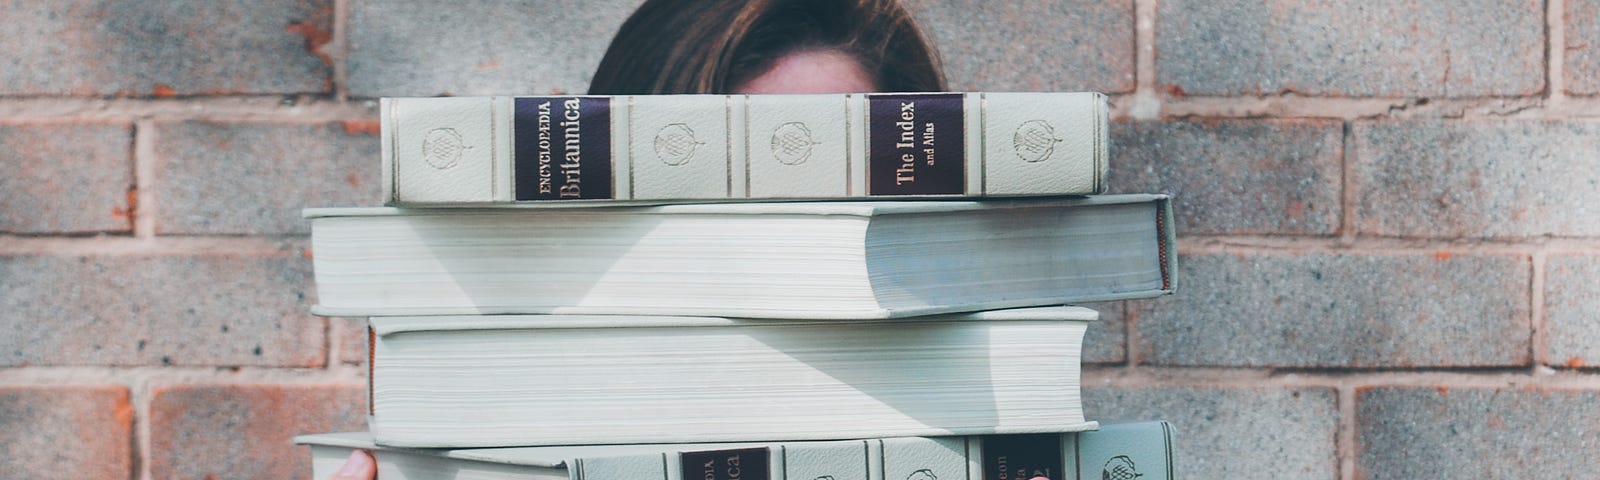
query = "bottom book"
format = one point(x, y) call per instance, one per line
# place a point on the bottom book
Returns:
point(1119, 451)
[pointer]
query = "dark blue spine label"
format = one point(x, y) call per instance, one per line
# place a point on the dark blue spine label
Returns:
point(741, 464)
point(1022, 457)
point(916, 145)
point(563, 148)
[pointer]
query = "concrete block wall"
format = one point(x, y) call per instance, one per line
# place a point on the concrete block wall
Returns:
point(1386, 213)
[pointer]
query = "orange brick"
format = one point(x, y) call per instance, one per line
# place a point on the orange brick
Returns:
point(1403, 48)
point(254, 178)
point(186, 47)
point(1462, 432)
point(159, 310)
point(66, 178)
point(245, 431)
point(65, 432)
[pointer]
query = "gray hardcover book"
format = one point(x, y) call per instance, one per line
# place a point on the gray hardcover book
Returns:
point(1117, 452)
point(527, 380)
point(815, 260)
point(676, 148)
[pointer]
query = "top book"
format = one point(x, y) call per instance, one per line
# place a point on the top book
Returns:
point(667, 148)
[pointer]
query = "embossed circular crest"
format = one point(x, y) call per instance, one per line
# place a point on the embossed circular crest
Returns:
point(675, 144)
point(442, 148)
point(923, 474)
point(792, 143)
point(1120, 467)
point(1034, 141)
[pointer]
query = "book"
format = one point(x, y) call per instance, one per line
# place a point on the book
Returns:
point(842, 260)
point(1128, 451)
point(656, 148)
point(510, 380)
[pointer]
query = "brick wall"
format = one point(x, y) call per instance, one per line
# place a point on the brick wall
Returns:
point(1387, 214)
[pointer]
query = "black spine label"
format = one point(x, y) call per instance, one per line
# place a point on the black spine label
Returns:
point(1021, 457)
point(742, 464)
point(563, 148)
point(916, 145)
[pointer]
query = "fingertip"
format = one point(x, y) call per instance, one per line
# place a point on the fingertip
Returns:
point(360, 466)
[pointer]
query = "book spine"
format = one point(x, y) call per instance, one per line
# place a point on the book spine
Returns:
point(477, 150)
point(838, 460)
point(1022, 457)
point(1126, 450)
point(924, 458)
point(1120, 450)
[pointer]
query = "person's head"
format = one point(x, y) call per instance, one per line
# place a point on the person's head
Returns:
point(740, 46)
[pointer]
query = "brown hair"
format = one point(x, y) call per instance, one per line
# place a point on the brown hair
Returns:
point(711, 46)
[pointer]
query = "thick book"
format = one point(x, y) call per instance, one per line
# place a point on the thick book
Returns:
point(512, 380)
point(658, 148)
point(1127, 451)
point(843, 260)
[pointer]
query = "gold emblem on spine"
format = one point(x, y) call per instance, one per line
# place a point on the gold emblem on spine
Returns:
point(442, 148)
point(1035, 141)
point(792, 143)
point(675, 144)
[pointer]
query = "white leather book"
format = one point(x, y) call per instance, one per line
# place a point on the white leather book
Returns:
point(838, 260)
point(1137, 451)
point(512, 380)
point(675, 148)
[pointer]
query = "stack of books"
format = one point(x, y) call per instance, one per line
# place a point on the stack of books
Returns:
point(741, 287)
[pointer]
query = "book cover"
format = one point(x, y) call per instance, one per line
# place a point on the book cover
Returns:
point(513, 380)
point(842, 260)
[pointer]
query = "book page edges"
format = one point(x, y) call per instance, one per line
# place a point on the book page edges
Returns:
point(384, 326)
point(857, 208)
point(783, 314)
point(1068, 427)
point(506, 456)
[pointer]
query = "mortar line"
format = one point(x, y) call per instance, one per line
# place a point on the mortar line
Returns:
point(144, 177)
point(1130, 332)
point(139, 394)
point(265, 109)
point(169, 245)
point(1509, 377)
point(341, 50)
point(136, 450)
point(330, 343)
point(1347, 184)
point(1203, 242)
point(144, 378)
point(1528, 107)
point(1555, 53)
point(1538, 343)
point(1146, 100)
point(1344, 443)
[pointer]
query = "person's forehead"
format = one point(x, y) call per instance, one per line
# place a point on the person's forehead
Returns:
point(811, 71)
